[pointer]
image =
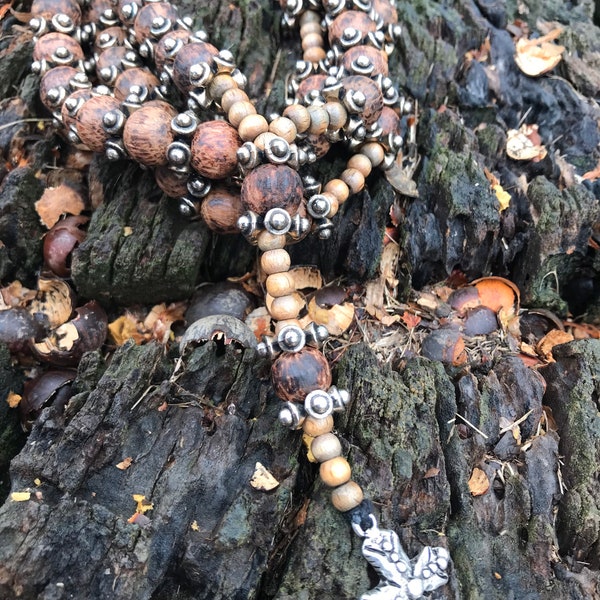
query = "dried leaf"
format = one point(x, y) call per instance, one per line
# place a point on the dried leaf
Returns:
point(262, 479)
point(307, 441)
point(194, 526)
point(125, 328)
point(593, 174)
point(553, 338)
point(259, 321)
point(139, 519)
point(160, 319)
point(482, 53)
point(15, 295)
point(539, 55)
point(410, 319)
point(478, 483)
point(431, 472)
point(20, 496)
point(57, 201)
point(13, 399)
point(143, 505)
point(503, 196)
point(525, 144)
point(125, 463)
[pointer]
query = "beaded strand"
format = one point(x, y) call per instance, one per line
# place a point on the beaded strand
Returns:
point(132, 80)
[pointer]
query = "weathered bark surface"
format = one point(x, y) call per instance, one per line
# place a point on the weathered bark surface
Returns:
point(196, 430)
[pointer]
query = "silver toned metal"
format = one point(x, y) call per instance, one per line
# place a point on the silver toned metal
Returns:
point(112, 121)
point(277, 151)
point(178, 156)
point(401, 578)
point(184, 124)
point(278, 221)
point(316, 334)
point(292, 415)
point(339, 397)
point(318, 206)
point(318, 404)
point(198, 186)
point(291, 339)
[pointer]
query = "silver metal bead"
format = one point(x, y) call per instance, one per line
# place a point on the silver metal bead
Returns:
point(363, 5)
point(350, 37)
point(56, 96)
point(318, 404)
point(340, 398)
point(62, 23)
point(268, 348)
point(200, 74)
point(354, 101)
point(303, 69)
point(108, 74)
point(277, 151)
point(323, 228)
point(318, 206)
point(362, 66)
point(247, 156)
point(198, 100)
point(240, 79)
point(277, 221)
point(113, 121)
point(311, 185)
point(299, 229)
point(198, 186)
point(187, 208)
point(160, 26)
point(316, 334)
point(184, 124)
point(108, 18)
point(291, 339)
point(292, 415)
point(225, 62)
point(178, 156)
point(334, 7)
point(250, 225)
point(114, 149)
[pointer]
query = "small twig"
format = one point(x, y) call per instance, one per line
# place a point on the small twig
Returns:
point(515, 423)
point(470, 425)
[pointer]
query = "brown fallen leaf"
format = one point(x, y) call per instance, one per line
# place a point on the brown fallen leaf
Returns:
point(539, 55)
point(593, 174)
point(125, 463)
point(143, 505)
point(553, 338)
point(57, 201)
point(479, 483)
point(125, 328)
point(13, 399)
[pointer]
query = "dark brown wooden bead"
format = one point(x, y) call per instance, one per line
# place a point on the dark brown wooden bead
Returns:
point(310, 84)
point(47, 45)
point(389, 122)
point(173, 184)
point(109, 38)
point(296, 374)
point(163, 56)
point(214, 149)
point(57, 78)
point(386, 10)
point(141, 78)
point(143, 23)
point(374, 98)
point(272, 186)
point(163, 105)
point(69, 119)
point(319, 143)
point(221, 209)
point(147, 134)
point(96, 9)
point(89, 121)
point(378, 59)
point(125, 18)
point(351, 18)
point(187, 57)
point(48, 8)
point(115, 56)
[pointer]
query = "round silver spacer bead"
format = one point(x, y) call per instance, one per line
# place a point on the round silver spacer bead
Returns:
point(318, 404)
point(291, 339)
point(318, 206)
point(291, 415)
point(278, 221)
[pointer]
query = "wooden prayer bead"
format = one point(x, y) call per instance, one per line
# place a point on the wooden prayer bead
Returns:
point(238, 111)
point(312, 40)
point(147, 134)
point(374, 152)
point(280, 284)
point(286, 307)
point(214, 149)
point(284, 128)
point(319, 120)
point(338, 115)
point(275, 261)
point(252, 126)
point(314, 55)
point(339, 189)
point(354, 179)
point(272, 186)
point(316, 427)
point(361, 163)
point(325, 447)
point(299, 115)
point(335, 205)
point(264, 139)
point(270, 241)
point(221, 209)
point(281, 324)
point(335, 471)
point(347, 496)
point(231, 96)
point(219, 85)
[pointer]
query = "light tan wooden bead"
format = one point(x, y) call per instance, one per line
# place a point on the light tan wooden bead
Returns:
point(314, 55)
point(299, 115)
point(361, 163)
point(286, 307)
point(325, 447)
point(284, 128)
point(240, 110)
point(339, 189)
point(219, 85)
point(275, 261)
point(335, 471)
point(319, 120)
point(263, 139)
point(338, 115)
point(347, 496)
point(374, 152)
point(354, 179)
point(252, 126)
point(335, 205)
point(270, 241)
point(281, 324)
point(317, 427)
point(309, 16)
point(231, 96)
point(312, 27)
point(280, 284)
point(312, 40)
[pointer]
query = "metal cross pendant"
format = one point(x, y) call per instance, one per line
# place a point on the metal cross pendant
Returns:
point(401, 578)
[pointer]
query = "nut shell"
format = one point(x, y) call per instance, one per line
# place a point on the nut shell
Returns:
point(295, 375)
point(214, 149)
point(272, 186)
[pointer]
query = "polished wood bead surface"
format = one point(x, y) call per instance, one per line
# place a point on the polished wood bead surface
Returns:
point(164, 56)
point(221, 209)
point(339, 189)
point(374, 98)
point(240, 110)
point(187, 57)
point(374, 152)
point(377, 58)
point(335, 471)
point(272, 186)
point(354, 179)
point(220, 84)
point(286, 307)
point(313, 83)
point(214, 149)
point(251, 127)
point(48, 8)
point(347, 496)
point(325, 447)
point(299, 115)
point(145, 18)
point(295, 375)
point(280, 284)
point(147, 134)
point(316, 427)
point(89, 121)
point(47, 45)
point(350, 19)
point(270, 241)
point(132, 78)
point(284, 128)
point(231, 96)
point(275, 261)
point(56, 78)
point(361, 163)
point(173, 184)
point(67, 117)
